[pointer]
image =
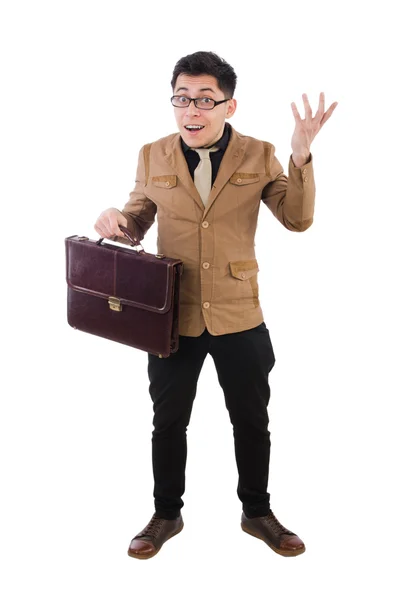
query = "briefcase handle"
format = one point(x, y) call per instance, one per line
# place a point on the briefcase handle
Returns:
point(129, 236)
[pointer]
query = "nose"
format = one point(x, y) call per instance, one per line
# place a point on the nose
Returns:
point(192, 109)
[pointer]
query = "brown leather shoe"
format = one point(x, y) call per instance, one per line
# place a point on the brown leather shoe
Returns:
point(269, 529)
point(149, 541)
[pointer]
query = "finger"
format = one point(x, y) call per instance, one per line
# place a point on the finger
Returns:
point(328, 113)
point(122, 220)
point(103, 228)
point(308, 110)
point(100, 231)
point(296, 112)
point(320, 111)
point(114, 226)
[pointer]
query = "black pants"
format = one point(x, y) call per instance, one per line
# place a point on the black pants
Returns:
point(243, 362)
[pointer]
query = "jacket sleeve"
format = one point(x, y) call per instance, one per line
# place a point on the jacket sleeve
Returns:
point(291, 199)
point(139, 210)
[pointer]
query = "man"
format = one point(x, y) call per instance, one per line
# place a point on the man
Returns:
point(206, 184)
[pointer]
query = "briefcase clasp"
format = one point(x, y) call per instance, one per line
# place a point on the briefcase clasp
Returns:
point(115, 304)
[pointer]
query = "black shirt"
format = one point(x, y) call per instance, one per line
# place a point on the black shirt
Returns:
point(193, 159)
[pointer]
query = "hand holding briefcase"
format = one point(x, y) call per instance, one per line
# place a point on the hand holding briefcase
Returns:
point(125, 295)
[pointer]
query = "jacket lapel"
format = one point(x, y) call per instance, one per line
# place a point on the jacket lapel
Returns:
point(174, 156)
point(232, 158)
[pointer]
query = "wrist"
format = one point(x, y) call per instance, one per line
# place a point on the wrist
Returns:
point(300, 159)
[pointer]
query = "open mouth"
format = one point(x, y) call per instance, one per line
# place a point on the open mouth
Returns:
point(194, 128)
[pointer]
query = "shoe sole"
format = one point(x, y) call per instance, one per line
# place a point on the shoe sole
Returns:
point(277, 550)
point(150, 555)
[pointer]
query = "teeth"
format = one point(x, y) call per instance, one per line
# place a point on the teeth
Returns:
point(194, 126)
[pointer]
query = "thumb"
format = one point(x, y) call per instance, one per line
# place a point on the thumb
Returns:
point(122, 220)
point(115, 221)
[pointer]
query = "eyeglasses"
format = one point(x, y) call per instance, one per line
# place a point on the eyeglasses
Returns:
point(202, 103)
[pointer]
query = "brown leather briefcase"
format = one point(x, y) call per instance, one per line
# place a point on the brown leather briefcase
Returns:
point(125, 295)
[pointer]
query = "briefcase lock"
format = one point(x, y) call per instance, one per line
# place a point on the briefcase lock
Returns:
point(115, 304)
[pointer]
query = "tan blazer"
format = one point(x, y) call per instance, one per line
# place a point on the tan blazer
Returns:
point(219, 287)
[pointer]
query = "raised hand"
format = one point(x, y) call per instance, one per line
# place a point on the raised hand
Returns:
point(306, 129)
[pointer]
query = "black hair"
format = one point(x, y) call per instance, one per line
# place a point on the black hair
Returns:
point(207, 63)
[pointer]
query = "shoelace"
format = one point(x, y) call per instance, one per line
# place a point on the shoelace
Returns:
point(153, 527)
point(275, 524)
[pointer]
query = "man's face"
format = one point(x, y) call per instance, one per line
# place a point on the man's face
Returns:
point(213, 120)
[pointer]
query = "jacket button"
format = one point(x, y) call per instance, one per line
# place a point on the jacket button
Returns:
point(167, 183)
point(205, 224)
point(304, 171)
point(239, 180)
point(206, 305)
point(243, 275)
point(206, 265)
point(305, 179)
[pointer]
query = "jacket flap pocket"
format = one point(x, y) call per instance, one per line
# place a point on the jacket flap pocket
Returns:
point(244, 178)
point(244, 269)
point(164, 181)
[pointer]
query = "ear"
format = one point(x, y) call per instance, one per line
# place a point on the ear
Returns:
point(231, 108)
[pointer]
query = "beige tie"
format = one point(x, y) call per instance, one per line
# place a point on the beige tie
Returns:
point(203, 173)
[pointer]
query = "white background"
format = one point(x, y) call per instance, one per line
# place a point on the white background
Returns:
point(83, 86)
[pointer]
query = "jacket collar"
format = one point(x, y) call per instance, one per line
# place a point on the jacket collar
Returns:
point(232, 158)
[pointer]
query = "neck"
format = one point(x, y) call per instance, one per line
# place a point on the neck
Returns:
point(217, 139)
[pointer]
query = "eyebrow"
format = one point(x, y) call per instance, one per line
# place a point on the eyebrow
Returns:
point(205, 89)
